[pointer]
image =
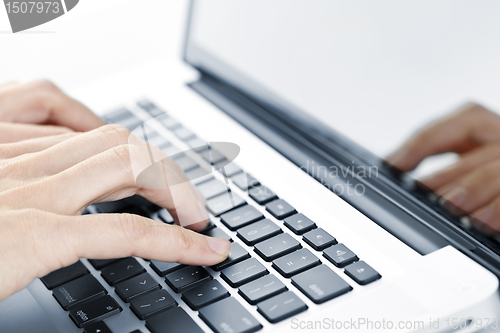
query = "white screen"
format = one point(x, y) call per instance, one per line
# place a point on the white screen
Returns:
point(373, 70)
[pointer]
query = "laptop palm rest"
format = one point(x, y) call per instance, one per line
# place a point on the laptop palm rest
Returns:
point(23, 305)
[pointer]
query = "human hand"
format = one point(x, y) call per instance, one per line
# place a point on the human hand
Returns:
point(473, 183)
point(50, 175)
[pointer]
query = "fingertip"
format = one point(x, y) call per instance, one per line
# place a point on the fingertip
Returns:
point(220, 246)
point(484, 215)
point(399, 160)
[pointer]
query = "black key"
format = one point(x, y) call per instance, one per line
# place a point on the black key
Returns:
point(243, 272)
point(186, 278)
point(172, 152)
point(111, 206)
point(99, 327)
point(198, 175)
point(229, 315)
point(321, 284)
point(135, 210)
point(184, 134)
point(119, 115)
point(230, 169)
point(238, 253)
point(241, 217)
point(165, 216)
point(136, 331)
point(150, 304)
point(258, 231)
point(205, 294)
point(280, 209)
point(212, 188)
point(64, 275)
point(122, 270)
point(244, 181)
point(295, 262)
point(158, 142)
point(299, 224)
point(217, 233)
point(136, 286)
point(262, 194)
point(100, 263)
point(319, 239)
point(150, 133)
point(170, 123)
point(276, 247)
point(186, 163)
point(281, 307)
point(163, 268)
point(156, 112)
point(83, 289)
point(224, 203)
point(173, 321)
point(131, 123)
point(362, 273)
point(210, 225)
point(197, 144)
point(340, 255)
point(212, 156)
point(262, 289)
point(94, 311)
point(146, 104)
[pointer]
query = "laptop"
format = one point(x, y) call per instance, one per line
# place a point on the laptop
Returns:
point(325, 236)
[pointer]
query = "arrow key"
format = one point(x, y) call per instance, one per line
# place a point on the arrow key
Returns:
point(121, 271)
point(205, 294)
point(99, 327)
point(136, 286)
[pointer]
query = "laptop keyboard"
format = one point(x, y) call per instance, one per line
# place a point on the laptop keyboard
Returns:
point(208, 290)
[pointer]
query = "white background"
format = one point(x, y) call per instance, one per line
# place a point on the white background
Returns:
point(96, 38)
point(99, 37)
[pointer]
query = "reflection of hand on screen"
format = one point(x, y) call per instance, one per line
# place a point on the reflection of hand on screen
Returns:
point(473, 183)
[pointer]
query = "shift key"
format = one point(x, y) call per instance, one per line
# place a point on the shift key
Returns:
point(94, 311)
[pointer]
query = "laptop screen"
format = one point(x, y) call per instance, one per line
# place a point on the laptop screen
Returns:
point(375, 71)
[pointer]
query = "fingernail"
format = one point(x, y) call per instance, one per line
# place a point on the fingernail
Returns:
point(456, 196)
point(219, 245)
point(484, 215)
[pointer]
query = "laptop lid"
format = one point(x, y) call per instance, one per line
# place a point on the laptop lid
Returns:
point(354, 80)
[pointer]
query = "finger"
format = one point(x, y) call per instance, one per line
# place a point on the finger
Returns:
point(42, 242)
point(121, 235)
point(487, 218)
point(467, 163)
point(42, 102)
point(75, 150)
point(470, 126)
point(109, 176)
point(18, 149)
point(474, 190)
point(17, 132)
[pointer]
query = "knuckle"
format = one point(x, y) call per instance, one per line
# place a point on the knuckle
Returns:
point(472, 109)
point(46, 85)
point(115, 133)
point(122, 152)
point(133, 227)
point(183, 240)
